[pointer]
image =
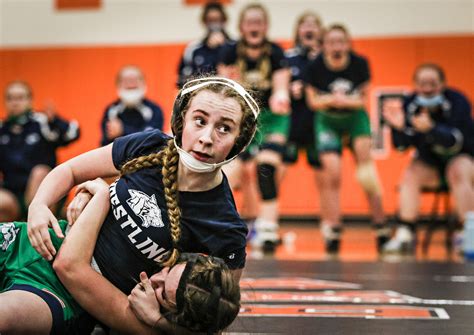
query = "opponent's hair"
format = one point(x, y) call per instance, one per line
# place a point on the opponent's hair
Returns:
point(300, 21)
point(213, 5)
point(251, 6)
point(168, 159)
point(208, 296)
point(22, 83)
point(439, 70)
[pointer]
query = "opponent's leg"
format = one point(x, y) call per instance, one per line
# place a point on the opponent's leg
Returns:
point(24, 312)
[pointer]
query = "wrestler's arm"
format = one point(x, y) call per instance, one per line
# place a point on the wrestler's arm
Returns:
point(90, 289)
point(87, 166)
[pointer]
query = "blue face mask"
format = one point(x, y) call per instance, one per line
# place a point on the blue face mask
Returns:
point(429, 102)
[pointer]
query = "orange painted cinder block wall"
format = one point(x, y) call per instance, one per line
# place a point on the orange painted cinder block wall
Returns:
point(80, 82)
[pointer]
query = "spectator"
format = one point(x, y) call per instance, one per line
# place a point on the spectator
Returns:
point(131, 112)
point(337, 90)
point(200, 57)
point(28, 143)
point(307, 46)
point(261, 65)
point(436, 121)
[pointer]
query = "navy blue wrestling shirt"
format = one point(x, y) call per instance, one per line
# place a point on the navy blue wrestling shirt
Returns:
point(135, 236)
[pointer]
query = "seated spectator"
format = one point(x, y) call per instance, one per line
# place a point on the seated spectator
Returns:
point(28, 143)
point(131, 112)
point(437, 122)
point(200, 57)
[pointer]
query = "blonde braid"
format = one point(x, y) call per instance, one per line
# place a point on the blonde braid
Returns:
point(169, 171)
point(141, 162)
point(196, 314)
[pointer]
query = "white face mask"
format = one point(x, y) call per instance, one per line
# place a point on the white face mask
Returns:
point(429, 101)
point(131, 97)
point(196, 165)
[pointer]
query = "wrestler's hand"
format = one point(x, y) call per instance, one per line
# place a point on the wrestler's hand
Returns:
point(143, 302)
point(77, 205)
point(93, 186)
point(40, 218)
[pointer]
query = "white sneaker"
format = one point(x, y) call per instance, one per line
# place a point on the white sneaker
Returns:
point(402, 242)
point(266, 234)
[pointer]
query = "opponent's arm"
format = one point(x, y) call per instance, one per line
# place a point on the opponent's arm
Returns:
point(91, 290)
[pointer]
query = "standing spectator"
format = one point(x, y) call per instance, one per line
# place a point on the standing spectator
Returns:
point(28, 143)
point(261, 65)
point(307, 46)
point(437, 122)
point(131, 112)
point(200, 57)
point(337, 90)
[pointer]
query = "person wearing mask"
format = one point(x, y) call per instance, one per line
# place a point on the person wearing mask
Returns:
point(436, 121)
point(172, 196)
point(200, 57)
point(132, 112)
point(28, 144)
point(195, 294)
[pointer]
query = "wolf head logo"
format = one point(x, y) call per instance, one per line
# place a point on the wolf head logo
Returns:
point(8, 233)
point(146, 208)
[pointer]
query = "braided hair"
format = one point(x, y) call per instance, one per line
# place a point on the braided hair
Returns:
point(168, 159)
point(208, 296)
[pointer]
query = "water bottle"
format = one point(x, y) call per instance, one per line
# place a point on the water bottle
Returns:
point(469, 236)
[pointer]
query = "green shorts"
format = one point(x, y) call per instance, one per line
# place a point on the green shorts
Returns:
point(331, 128)
point(20, 265)
point(268, 124)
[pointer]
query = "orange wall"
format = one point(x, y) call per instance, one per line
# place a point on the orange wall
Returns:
point(80, 81)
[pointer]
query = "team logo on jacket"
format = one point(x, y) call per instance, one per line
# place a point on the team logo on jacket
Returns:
point(146, 208)
point(8, 233)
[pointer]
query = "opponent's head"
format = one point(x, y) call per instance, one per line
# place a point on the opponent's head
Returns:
point(213, 120)
point(18, 97)
point(198, 293)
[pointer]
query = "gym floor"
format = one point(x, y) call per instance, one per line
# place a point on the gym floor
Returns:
point(300, 290)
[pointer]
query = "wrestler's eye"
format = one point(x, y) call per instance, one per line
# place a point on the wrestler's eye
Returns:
point(224, 128)
point(199, 121)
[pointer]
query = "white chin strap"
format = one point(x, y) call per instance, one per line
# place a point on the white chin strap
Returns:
point(196, 165)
